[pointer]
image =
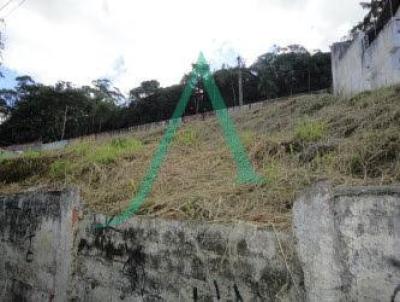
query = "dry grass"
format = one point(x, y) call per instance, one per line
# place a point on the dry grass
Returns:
point(292, 144)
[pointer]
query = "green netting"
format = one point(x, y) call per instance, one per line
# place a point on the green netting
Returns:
point(245, 171)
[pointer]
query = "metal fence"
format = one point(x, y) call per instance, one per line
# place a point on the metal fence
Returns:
point(60, 145)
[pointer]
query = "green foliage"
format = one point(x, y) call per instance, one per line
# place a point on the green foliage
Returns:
point(89, 154)
point(5, 154)
point(378, 14)
point(316, 103)
point(356, 165)
point(292, 70)
point(106, 153)
point(61, 111)
point(373, 151)
point(146, 89)
point(51, 113)
point(310, 131)
point(21, 168)
point(60, 168)
point(80, 149)
point(247, 137)
point(273, 171)
point(369, 155)
point(188, 137)
point(32, 154)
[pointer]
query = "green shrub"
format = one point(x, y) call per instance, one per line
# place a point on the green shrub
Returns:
point(103, 155)
point(80, 149)
point(5, 154)
point(60, 168)
point(31, 154)
point(273, 171)
point(21, 168)
point(247, 138)
point(187, 137)
point(372, 151)
point(310, 131)
point(316, 103)
point(356, 164)
point(108, 153)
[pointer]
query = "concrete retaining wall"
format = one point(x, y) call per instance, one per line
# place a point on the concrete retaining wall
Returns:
point(158, 260)
point(36, 247)
point(349, 243)
point(52, 251)
point(346, 247)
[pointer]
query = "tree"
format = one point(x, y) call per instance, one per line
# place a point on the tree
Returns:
point(267, 75)
point(49, 113)
point(8, 97)
point(150, 87)
point(61, 111)
point(24, 81)
point(105, 91)
point(375, 9)
point(227, 82)
point(293, 70)
point(146, 89)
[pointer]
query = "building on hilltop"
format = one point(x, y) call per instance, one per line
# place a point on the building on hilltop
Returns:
point(372, 58)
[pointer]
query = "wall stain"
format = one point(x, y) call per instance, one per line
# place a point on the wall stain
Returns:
point(217, 290)
point(395, 293)
point(29, 253)
point(396, 263)
point(134, 269)
point(239, 297)
point(195, 296)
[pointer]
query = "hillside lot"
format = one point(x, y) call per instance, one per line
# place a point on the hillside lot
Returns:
point(292, 143)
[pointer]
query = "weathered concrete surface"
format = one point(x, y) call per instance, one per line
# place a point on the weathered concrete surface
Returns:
point(349, 243)
point(36, 233)
point(358, 66)
point(51, 251)
point(159, 260)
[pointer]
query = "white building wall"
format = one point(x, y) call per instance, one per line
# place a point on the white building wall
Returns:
point(358, 67)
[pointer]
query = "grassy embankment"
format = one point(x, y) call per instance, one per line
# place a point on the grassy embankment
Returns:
point(292, 143)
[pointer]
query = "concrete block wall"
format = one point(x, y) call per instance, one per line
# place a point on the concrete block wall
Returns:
point(52, 251)
point(159, 260)
point(345, 246)
point(349, 243)
point(358, 67)
point(36, 245)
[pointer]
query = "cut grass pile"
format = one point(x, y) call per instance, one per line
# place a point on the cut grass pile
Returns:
point(292, 143)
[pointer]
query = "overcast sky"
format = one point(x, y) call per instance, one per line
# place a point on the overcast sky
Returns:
point(130, 41)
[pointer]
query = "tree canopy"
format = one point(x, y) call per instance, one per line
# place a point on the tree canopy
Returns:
point(52, 112)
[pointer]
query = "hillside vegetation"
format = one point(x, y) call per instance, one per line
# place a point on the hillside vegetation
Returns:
point(292, 143)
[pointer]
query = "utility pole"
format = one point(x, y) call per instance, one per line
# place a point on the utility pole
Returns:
point(239, 59)
point(64, 123)
point(233, 92)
